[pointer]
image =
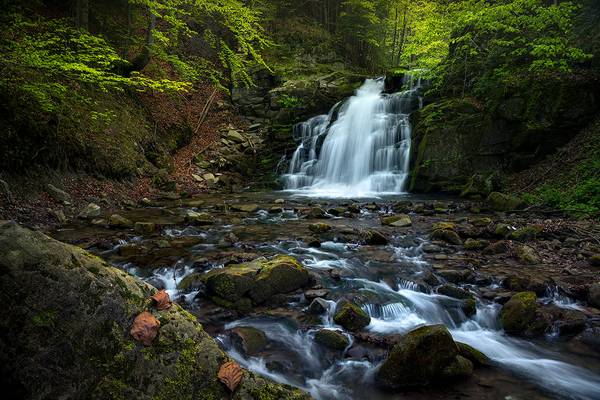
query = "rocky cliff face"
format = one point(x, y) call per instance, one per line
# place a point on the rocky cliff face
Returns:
point(456, 138)
point(64, 332)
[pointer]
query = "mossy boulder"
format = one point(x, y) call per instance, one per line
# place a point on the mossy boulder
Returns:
point(474, 244)
point(249, 340)
point(66, 320)
point(447, 235)
point(478, 186)
point(319, 227)
point(469, 303)
point(118, 221)
point(144, 228)
point(398, 221)
point(527, 233)
point(332, 339)
point(519, 313)
point(504, 202)
point(198, 218)
point(473, 355)
point(350, 316)
point(501, 230)
point(422, 357)
point(257, 280)
point(593, 296)
point(527, 254)
point(374, 238)
point(595, 260)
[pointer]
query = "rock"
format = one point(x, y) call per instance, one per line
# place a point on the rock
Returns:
point(527, 233)
point(478, 186)
point(527, 254)
point(81, 309)
point(481, 222)
point(250, 341)
point(595, 260)
point(473, 244)
point(334, 340)
point(60, 196)
point(191, 282)
point(500, 247)
point(318, 306)
point(316, 293)
point(502, 230)
point(518, 313)
point(473, 355)
point(373, 238)
point(316, 213)
point(90, 211)
point(197, 218)
point(247, 208)
point(197, 178)
point(593, 296)
point(60, 216)
point(504, 202)
point(235, 136)
point(210, 178)
point(119, 221)
point(144, 228)
point(5, 191)
point(279, 201)
point(350, 316)
point(399, 221)
point(319, 227)
point(445, 231)
point(257, 280)
point(469, 304)
point(422, 357)
point(455, 276)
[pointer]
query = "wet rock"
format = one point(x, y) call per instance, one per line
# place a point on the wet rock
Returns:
point(527, 233)
point(456, 276)
point(81, 309)
point(500, 247)
point(398, 221)
point(319, 227)
point(144, 228)
point(422, 357)
point(473, 355)
point(446, 232)
point(431, 248)
point(315, 213)
point(60, 196)
point(504, 202)
point(257, 280)
point(593, 297)
point(91, 211)
point(473, 244)
point(595, 260)
point(315, 293)
point(590, 337)
point(191, 282)
point(518, 313)
point(374, 238)
point(350, 316)
point(523, 283)
point(334, 340)
point(279, 201)
point(197, 218)
point(119, 221)
point(248, 340)
point(247, 208)
point(481, 222)
point(527, 254)
point(318, 306)
point(469, 303)
point(502, 230)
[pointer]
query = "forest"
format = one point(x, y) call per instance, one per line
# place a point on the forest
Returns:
point(293, 199)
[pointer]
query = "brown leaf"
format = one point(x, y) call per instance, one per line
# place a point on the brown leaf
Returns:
point(231, 375)
point(145, 328)
point(161, 300)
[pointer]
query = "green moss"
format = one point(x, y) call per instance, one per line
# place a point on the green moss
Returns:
point(519, 312)
point(351, 316)
point(46, 319)
point(527, 232)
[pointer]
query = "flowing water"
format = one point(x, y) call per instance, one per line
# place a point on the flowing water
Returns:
point(360, 149)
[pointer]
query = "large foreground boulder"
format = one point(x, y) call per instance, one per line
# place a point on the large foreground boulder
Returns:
point(519, 313)
point(257, 281)
point(65, 327)
point(423, 356)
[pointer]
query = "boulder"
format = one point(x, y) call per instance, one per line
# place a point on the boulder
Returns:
point(119, 221)
point(527, 233)
point(60, 196)
point(445, 231)
point(527, 254)
point(469, 303)
point(90, 211)
point(504, 202)
point(473, 244)
point(247, 208)
point(334, 340)
point(66, 332)
point(473, 355)
point(398, 221)
point(595, 260)
point(350, 316)
point(593, 296)
point(422, 357)
point(318, 306)
point(257, 280)
point(319, 227)
point(144, 228)
point(374, 238)
point(197, 218)
point(518, 313)
point(478, 186)
point(250, 341)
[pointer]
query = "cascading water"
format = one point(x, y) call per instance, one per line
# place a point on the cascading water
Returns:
point(361, 148)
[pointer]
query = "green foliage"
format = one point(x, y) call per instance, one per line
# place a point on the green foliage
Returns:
point(287, 101)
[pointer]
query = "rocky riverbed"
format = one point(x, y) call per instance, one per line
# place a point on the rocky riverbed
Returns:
point(397, 297)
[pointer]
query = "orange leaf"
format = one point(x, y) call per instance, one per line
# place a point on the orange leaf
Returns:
point(161, 300)
point(231, 375)
point(145, 328)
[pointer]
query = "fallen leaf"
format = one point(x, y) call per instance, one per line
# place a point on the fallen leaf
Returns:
point(161, 300)
point(145, 328)
point(231, 375)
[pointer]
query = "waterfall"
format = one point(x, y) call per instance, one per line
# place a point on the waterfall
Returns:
point(361, 148)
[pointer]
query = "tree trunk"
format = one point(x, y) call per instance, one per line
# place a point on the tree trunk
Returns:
point(395, 38)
